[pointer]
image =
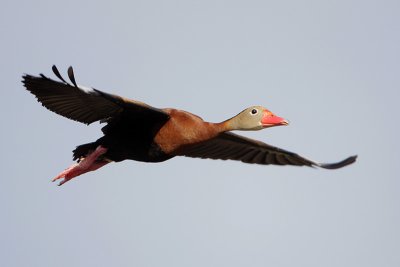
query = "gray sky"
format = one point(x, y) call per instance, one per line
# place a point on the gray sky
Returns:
point(330, 67)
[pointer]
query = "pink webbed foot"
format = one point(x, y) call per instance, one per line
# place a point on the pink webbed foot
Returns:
point(89, 163)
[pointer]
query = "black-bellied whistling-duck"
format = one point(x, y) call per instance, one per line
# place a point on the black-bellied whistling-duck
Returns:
point(140, 132)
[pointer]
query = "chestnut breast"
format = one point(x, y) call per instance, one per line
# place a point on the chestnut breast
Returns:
point(184, 128)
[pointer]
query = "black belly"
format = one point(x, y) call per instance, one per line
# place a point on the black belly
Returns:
point(128, 138)
point(118, 150)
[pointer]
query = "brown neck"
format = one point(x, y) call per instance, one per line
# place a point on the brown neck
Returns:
point(225, 126)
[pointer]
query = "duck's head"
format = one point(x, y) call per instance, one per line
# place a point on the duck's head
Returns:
point(255, 118)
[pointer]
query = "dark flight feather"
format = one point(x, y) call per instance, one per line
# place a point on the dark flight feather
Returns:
point(57, 73)
point(71, 76)
point(84, 105)
point(229, 146)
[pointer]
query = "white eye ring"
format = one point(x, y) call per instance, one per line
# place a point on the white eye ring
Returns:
point(253, 111)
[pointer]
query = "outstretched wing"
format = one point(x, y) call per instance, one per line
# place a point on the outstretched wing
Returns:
point(82, 104)
point(235, 147)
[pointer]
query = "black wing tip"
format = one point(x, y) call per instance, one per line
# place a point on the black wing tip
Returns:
point(57, 73)
point(72, 76)
point(27, 77)
point(27, 81)
point(340, 164)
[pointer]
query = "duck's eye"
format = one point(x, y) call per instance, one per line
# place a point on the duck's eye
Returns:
point(254, 111)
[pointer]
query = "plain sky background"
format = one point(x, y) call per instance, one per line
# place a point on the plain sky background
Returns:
point(330, 67)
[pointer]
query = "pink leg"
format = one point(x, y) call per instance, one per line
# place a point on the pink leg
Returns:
point(89, 163)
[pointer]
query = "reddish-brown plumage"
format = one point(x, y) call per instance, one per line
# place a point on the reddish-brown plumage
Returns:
point(184, 128)
point(140, 132)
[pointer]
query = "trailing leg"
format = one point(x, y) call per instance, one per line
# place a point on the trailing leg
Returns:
point(89, 163)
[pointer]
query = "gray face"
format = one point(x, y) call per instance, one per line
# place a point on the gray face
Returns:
point(250, 118)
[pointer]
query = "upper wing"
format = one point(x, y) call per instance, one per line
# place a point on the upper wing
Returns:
point(235, 147)
point(81, 104)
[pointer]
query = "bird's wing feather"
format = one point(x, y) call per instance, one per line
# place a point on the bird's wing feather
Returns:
point(82, 104)
point(235, 147)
